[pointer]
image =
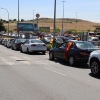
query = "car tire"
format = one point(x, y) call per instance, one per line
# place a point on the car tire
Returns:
point(27, 50)
point(71, 60)
point(95, 67)
point(12, 48)
point(51, 56)
point(43, 52)
point(21, 49)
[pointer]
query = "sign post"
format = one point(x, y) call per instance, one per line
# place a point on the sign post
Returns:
point(37, 16)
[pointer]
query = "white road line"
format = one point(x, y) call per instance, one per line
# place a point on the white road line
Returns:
point(40, 62)
point(6, 61)
point(28, 58)
point(26, 62)
point(54, 71)
point(16, 58)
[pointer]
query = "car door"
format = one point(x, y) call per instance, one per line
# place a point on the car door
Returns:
point(60, 51)
point(67, 49)
point(25, 45)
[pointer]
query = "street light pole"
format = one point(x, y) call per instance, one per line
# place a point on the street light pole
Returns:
point(63, 17)
point(76, 21)
point(54, 30)
point(33, 16)
point(18, 20)
point(8, 19)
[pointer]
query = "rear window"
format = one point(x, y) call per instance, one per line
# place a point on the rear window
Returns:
point(20, 40)
point(36, 41)
point(83, 45)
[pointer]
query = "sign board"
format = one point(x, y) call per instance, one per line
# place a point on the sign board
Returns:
point(84, 36)
point(27, 27)
point(61, 32)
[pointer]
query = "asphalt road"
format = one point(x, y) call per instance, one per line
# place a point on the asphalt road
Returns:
point(35, 77)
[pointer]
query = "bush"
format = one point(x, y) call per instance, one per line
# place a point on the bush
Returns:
point(49, 46)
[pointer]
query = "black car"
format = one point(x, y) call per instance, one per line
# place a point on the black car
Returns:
point(16, 43)
point(73, 51)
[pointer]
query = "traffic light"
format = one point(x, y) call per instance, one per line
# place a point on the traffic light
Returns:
point(35, 25)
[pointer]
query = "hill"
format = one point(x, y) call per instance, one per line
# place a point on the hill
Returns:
point(69, 23)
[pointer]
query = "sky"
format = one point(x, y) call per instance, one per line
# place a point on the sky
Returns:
point(81, 9)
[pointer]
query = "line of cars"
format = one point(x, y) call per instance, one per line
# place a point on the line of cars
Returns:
point(24, 45)
point(72, 51)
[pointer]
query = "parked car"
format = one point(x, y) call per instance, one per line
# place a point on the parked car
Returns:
point(46, 39)
point(9, 42)
point(73, 51)
point(94, 62)
point(33, 45)
point(16, 43)
point(3, 41)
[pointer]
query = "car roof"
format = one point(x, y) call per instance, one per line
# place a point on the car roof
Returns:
point(75, 41)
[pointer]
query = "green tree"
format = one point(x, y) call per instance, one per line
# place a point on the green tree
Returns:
point(14, 20)
point(43, 30)
point(57, 30)
point(2, 28)
point(88, 30)
point(22, 20)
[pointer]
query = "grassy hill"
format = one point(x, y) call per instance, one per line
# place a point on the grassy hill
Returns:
point(69, 23)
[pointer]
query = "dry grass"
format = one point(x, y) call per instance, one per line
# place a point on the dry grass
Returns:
point(81, 25)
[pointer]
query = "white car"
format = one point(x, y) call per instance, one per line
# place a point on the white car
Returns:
point(94, 62)
point(9, 42)
point(32, 45)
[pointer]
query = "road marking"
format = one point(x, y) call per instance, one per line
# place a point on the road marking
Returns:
point(54, 71)
point(28, 58)
point(26, 62)
point(16, 58)
point(40, 62)
point(6, 62)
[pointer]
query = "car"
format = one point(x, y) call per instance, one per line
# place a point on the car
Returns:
point(73, 51)
point(94, 62)
point(46, 39)
point(9, 42)
point(33, 45)
point(16, 43)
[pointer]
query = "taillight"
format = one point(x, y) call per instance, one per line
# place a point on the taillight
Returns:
point(33, 45)
point(44, 45)
point(83, 53)
point(18, 43)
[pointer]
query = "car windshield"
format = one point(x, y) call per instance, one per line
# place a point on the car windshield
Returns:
point(21, 40)
point(36, 41)
point(85, 45)
point(47, 38)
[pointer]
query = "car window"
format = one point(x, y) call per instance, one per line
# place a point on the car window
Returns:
point(63, 45)
point(27, 42)
point(36, 41)
point(83, 45)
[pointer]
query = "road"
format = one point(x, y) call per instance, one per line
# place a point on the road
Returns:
point(35, 77)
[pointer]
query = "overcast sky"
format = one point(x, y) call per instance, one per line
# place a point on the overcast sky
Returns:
point(83, 9)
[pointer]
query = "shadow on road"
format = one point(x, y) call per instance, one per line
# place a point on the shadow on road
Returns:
point(78, 65)
point(97, 77)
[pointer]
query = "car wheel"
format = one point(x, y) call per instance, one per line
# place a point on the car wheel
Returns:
point(43, 52)
point(51, 56)
point(12, 48)
point(95, 67)
point(27, 50)
point(71, 60)
point(21, 49)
